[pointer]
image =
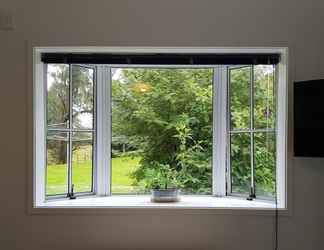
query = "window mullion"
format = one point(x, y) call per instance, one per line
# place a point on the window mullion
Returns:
point(219, 130)
point(103, 152)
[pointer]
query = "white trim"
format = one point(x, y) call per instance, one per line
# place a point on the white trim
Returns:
point(143, 201)
point(103, 131)
point(282, 117)
point(103, 157)
point(219, 130)
point(39, 159)
point(222, 50)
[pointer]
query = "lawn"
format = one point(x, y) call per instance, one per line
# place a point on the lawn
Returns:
point(82, 176)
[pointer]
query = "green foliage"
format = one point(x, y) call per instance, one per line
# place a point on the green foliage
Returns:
point(161, 176)
point(265, 162)
point(167, 114)
point(165, 117)
point(58, 106)
point(171, 122)
point(58, 95)
point(264, 118)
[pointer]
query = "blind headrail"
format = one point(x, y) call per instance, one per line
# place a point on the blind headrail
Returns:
point(162, 58)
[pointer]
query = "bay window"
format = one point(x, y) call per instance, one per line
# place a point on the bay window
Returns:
point(102, 122)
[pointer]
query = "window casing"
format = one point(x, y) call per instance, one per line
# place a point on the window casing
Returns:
point(102, 133)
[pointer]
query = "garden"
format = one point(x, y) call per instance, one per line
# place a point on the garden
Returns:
point(162, 119)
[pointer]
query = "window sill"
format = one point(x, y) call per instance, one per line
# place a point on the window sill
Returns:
point(127, 203)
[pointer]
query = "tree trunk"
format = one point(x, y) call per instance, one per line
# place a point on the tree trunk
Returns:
point(62, 153)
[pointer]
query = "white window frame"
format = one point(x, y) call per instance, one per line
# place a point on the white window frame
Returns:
point(250, 130)
point(102, 179)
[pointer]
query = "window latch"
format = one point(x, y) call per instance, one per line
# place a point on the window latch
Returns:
point(71, 195)
point(251, 195)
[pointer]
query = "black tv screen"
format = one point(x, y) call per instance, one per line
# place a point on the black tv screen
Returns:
point(309, 118)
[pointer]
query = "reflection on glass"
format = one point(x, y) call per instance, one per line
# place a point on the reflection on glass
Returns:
point(239, 86)
point(161, 117)
point(264, 97)
point(265, 162)
point(240, 163)
point(57, 163)
point(82, 96)
point(57, 95)
point(82, 161)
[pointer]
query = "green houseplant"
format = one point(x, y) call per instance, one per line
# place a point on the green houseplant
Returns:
point(162, 182)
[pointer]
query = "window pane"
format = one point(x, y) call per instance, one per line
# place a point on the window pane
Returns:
point(82, 96)
point(161, 121)
point(239, 89)
point(57, 95)
point(82, 161)
point(57, 163)
point(240, 162)
point(264, 97)
point(265, 162)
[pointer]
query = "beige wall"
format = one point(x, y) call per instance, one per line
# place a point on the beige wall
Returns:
point(296, 24)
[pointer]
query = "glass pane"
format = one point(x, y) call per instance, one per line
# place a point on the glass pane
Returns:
point(82, 96)
point(161, 123)
point(264, 97)
point(57, 163)
point(265, 162)
point(82, 161)
point(239, 89)
point(240, 162)
point(57, 95)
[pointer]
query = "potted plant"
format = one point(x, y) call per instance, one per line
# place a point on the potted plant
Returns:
point(162, 181)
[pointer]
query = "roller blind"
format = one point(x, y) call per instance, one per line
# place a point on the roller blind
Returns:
point(161, 58)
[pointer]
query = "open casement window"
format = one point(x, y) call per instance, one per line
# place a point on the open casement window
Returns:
point(70, 129)
point(251, 131)
point(109, 121)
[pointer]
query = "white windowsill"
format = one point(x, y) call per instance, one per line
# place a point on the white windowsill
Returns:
point(141, 204)
point(143, 201)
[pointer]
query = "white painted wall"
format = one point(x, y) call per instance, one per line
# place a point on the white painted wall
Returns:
point(292, 23)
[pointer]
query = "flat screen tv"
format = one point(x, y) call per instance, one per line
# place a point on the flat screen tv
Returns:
point(309, 118)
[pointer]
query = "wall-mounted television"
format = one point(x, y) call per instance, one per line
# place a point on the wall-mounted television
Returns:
point(309, 118)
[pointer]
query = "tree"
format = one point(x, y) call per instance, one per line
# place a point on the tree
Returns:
point(58, 110)
point(58, 106)
point(264, 118)
point(167, 113)
point(166, 116)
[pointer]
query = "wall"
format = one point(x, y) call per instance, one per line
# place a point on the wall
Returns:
point(296, 24)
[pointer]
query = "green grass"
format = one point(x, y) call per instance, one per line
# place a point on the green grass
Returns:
point(122, 167)
point(82, 174)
